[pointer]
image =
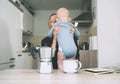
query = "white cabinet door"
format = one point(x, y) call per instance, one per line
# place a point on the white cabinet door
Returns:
point(7, 66)
point(19, 61)
point(28, 21)
point(5, 45)
point(23, 61)
point(28, 60)
point(11, 32)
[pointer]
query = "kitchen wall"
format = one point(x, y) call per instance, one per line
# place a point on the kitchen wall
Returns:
point(41, 25)
point(41, 20)
point(108, 28)
point(106, 23)
point(92, 31)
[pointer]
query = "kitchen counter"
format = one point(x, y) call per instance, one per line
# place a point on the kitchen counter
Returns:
point(31, 76)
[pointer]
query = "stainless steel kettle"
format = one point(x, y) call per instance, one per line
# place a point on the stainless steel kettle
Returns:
point(46, 53)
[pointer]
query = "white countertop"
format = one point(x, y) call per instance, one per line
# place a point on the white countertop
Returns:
point(14, 76)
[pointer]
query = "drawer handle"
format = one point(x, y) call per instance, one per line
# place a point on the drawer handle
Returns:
point(19, 54)
point(29, 54)
point(12, 58)
point(12, 66)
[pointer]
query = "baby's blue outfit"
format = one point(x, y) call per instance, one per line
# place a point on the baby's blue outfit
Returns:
point(65, 38)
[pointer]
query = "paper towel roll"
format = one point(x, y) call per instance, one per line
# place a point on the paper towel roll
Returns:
point(93, 43)
point(90, 43)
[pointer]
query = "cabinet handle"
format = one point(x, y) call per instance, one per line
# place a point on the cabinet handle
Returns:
point(29, 54)
point(29, 31)
point(12, 58)
point(11, 66)
point(19, 54)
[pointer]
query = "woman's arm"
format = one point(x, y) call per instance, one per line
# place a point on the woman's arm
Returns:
point(75, 32)
point(55, 33)
point(50, 33)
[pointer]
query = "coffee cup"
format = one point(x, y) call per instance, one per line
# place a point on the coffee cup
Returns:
point(71, 66)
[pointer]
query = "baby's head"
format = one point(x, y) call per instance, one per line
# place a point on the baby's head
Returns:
point(63, 14)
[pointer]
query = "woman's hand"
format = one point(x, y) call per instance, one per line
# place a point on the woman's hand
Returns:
point(72, 31)
point(56, 31)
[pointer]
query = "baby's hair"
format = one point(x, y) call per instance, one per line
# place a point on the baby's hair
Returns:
point(62, 12)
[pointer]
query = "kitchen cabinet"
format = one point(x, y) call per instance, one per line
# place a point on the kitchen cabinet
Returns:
point(36, 61)
point(28, 21)
point(24, 61)
point(7, 66)
point(88, 58)
point(10, 32)
point(11, 15)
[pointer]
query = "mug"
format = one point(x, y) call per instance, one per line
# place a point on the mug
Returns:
point(71, 66)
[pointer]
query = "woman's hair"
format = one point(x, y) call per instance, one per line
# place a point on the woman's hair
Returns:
point(50, 19)
point(52, 15)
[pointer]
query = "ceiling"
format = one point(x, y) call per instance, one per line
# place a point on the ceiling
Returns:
point(55, 4)
point(69, 4)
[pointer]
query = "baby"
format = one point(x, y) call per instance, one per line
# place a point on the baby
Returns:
point(65, 37)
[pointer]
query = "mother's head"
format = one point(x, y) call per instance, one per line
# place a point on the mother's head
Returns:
point(52, 19)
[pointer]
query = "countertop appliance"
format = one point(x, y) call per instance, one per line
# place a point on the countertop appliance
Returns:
point(45, 61)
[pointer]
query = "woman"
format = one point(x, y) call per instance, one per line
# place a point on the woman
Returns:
point(52, 42)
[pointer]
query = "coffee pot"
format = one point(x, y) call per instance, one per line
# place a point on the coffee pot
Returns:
point(45, 59)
